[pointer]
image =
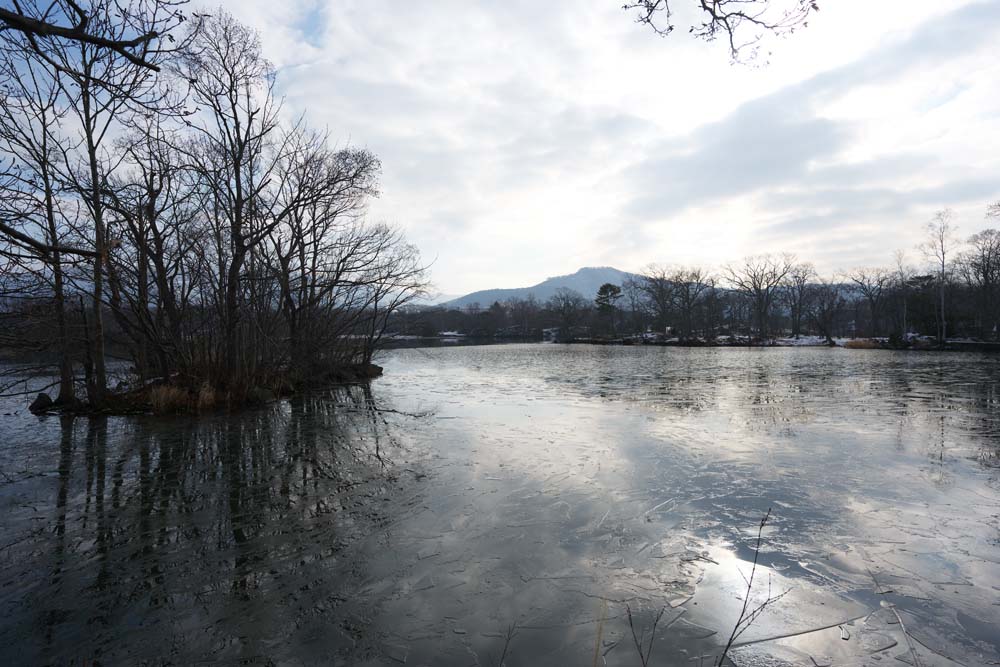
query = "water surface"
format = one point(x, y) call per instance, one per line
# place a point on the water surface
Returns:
point(515, 503)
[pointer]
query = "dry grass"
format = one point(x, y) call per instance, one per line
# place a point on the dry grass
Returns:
point(169, 400)
point(861, 344)
point(207, 398)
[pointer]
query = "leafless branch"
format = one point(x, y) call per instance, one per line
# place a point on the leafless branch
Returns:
point(742, 23)
point(645, 652)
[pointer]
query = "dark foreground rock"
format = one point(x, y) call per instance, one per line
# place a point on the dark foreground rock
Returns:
point(41, 404)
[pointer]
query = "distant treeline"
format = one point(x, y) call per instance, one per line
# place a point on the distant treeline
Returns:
point(953, 292)
point(157, 204)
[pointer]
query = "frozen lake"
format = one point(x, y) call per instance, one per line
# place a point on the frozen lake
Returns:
point(511, 503)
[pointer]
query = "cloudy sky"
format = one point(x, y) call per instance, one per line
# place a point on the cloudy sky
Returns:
point(525, 139)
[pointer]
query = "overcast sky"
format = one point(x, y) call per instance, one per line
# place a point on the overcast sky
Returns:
point(524, 139)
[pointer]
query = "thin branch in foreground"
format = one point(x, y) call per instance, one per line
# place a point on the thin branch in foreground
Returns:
point(899, 619)
point(600, 631)
point(906, 635)
point(644, 654)
point(745, 619)
point(508, 637)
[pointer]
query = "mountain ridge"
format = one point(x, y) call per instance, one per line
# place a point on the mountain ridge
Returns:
point(586, 280)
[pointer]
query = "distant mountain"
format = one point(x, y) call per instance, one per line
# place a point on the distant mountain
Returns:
point(586, 281)
point(434, 299)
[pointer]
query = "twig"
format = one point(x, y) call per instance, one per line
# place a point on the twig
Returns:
point(600, 631)
point(899, 619)
point(508, 637)
point(744, 621)
point(644, 655)
point(28, 392)
point(415, 415)
point(906, 635)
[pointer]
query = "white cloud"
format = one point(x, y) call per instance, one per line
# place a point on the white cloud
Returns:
point(524, 139)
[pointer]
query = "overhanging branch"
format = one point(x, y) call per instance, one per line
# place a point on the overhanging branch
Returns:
point(43, 249)
point(36, 28)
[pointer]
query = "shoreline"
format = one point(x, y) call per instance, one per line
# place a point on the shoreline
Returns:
point(163, 399)
point(848, 344)
point(180, 400)
point(917, 345)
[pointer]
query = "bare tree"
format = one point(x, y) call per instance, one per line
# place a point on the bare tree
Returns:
point(826, 303)
point(85, 62)
point(938, 249)
point(873, 284)
point(101, 85)
point(659, 291)
point(980, 268)
point(690, 285)
point(635, 297)
point(714, 309)
point(902, 276)
point(237, 152)
point(394, 282)
point(153, 276)
point(741, 23)
point(523, 313)
point(796, 294)
point(759, 279)
point(677, 296)
point(568, 306)
point(29, 134)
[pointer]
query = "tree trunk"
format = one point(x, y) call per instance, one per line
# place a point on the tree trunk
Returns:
point(944, 323)
point(98, 387)
point(230, 341)
point(66, 389)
